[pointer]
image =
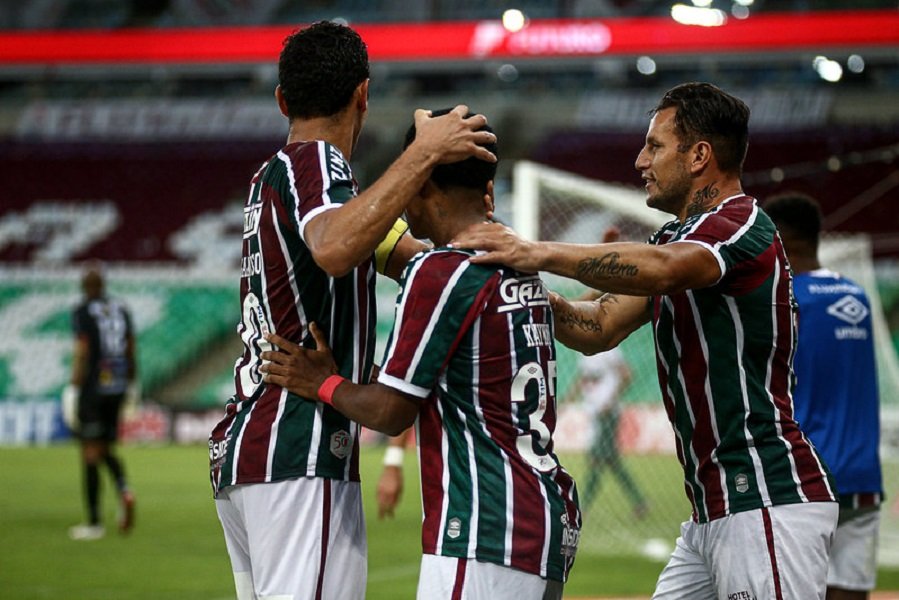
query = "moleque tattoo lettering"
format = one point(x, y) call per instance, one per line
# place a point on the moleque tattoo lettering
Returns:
point(606, 267)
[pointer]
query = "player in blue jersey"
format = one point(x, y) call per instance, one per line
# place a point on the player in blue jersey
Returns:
point(103, 380)
point(285, 472)
point(836, 398)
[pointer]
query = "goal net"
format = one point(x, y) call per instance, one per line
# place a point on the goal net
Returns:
point(636, 505)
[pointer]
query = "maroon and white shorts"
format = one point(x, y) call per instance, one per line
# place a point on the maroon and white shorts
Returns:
point(299, 539)
point(451, 578)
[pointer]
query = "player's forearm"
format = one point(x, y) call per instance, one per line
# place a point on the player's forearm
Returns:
point(630, 268)
point(344, 237)
point(599, 325)
point(375, 406)
point(580, 326)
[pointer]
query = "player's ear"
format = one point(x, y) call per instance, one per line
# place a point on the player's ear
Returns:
point(362, 96)
point(282, 103)
point(701, 155)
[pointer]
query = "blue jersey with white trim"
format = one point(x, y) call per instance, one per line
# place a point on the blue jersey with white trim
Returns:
point(835, 397)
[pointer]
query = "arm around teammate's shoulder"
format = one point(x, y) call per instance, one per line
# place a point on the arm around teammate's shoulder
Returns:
point(342, 238)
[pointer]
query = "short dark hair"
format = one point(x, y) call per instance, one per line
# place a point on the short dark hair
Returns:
point(705, 112)
point(319, 69)
point(797, 212)
point(471, 173)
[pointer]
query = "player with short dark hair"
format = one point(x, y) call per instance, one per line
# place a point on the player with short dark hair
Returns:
point(103, 379)
point(285, 472)
point(470, 360)
point(714, 284)
point(836, 397)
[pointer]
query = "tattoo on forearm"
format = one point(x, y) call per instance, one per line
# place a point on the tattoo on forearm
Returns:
point(607, 266)
point(572, 321)
point(603, 301)
point(701, 199)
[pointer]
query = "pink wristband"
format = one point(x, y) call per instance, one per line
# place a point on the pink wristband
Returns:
point(326, 390)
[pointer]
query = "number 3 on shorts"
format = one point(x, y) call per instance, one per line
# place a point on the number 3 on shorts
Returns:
point(538, 431)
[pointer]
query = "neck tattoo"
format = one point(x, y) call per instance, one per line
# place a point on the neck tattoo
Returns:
point(702, 200)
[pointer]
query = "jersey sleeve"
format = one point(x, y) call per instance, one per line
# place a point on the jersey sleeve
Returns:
point(80, 323)
point(742, 240)
point(440, 297)
point(311, 179)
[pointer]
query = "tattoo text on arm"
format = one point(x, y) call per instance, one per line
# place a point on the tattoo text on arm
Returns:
point(574, 321)
point(605, 267)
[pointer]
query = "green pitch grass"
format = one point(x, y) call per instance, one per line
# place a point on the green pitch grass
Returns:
point(177, 551)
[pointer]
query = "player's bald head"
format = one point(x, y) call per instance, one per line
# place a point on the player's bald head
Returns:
point(92, 282)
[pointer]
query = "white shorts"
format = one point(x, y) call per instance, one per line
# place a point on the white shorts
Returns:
point(769, 553)
point(299, 539)
point(853, 556)
point(450, 578)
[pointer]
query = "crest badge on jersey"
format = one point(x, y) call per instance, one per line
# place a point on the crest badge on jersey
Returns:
point(341, 444)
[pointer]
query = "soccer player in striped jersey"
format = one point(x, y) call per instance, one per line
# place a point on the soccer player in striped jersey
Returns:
point(284, 471)
point(836, 397)
point(470, 360)
point(714, 283)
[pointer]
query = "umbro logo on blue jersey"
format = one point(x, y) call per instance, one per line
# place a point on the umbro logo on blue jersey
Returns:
point(848, 309)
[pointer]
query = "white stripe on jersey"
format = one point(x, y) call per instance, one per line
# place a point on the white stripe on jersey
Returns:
point(273, 440)
point(315, 440)
point(239, 443)
point(513, 412)
point(444, 481)
point(713, 416)
point(744, 393)
point(473, 475)
point(438, 310)
point(291, 276)
point(400, 311)
point(547, 524)
point(793, 470)
point(686, 449)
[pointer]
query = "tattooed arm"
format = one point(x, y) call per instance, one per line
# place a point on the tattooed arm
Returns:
point(630, 268)
point(598, 325)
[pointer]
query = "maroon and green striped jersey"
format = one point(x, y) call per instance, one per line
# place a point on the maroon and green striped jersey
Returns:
point(475, 342)
point(268, 433)
point(724, 357)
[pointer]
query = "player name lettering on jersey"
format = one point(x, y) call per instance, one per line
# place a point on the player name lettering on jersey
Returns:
point(521, 293)
point(338, 169)
point(251, 265)
point(251, 215)
point(537, 334)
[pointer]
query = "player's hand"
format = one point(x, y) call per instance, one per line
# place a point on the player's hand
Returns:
point(501, 245)
point(453, 137)
point(132, 401)
point(70, 396)
point(390, 490)
point(299, 370)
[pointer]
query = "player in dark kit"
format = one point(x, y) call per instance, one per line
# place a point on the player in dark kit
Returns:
point(285, 472)
point(471, 360)
point(103, 380)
